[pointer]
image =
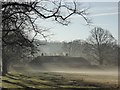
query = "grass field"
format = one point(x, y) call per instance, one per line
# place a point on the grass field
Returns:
point(62, 80)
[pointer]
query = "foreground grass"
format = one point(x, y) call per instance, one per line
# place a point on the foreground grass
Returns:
point(51, 80)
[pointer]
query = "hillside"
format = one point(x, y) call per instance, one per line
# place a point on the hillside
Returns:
point(60, 63)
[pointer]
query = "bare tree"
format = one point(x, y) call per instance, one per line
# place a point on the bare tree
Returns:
point(19, 19)
point(97, 43)
point(74, 48)
point(67, 48)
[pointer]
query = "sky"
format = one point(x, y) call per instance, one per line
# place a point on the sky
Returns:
point(102, 14)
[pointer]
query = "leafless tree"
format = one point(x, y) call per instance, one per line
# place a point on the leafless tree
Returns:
point(67, 48)
point(74, 48)
point(97, 43)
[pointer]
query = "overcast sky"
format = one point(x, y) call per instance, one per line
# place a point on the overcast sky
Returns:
point(103, 14)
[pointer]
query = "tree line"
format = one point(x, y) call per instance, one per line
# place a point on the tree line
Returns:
point(100, 47)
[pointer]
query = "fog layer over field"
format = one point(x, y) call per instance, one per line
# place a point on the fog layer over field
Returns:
point(69, 65)
point(113, 72)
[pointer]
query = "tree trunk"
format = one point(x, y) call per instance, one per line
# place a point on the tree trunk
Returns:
point(100, 58)
point(4, 67)
point(101, 61)
point(100, 55)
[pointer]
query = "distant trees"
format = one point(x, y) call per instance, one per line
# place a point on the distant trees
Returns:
point(99, 48)
point(100, 44)
point(73, 48)
point(67, 48)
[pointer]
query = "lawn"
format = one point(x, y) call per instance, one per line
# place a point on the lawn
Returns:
point(54, 80)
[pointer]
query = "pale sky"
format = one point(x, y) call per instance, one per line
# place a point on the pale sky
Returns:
point(103, 14)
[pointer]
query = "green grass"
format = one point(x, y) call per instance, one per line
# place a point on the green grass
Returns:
point(44, 80)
